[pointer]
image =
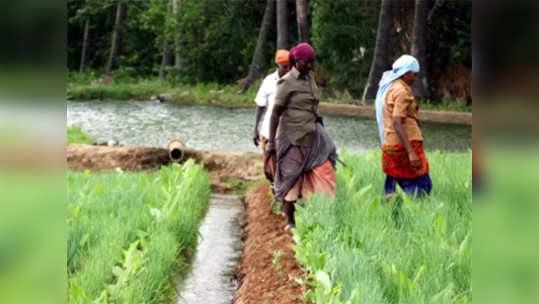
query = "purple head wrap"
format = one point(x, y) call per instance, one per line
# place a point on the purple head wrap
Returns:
point(303, 51)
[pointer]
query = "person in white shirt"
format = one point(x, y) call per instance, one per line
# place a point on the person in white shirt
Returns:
point(265, 98)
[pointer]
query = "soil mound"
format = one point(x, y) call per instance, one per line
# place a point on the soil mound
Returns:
point(264, 278)
point(222, 166)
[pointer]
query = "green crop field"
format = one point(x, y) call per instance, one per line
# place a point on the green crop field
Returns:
point(130, 233)
point(362, 249)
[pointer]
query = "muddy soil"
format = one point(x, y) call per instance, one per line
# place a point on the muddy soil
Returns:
point(261, 278)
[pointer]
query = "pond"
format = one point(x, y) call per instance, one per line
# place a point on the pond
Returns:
point(148, 123)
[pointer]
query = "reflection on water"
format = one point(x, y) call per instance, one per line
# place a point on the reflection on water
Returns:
point(147, 123)
point(211, 277)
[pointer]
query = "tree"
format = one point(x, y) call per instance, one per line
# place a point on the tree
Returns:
point(218, 39)
point(116, 36)
point(84, 52)
point(258, 59)
point(421, 87)
point(177, 58)
point(302, 19)
point(282, 24)
point(166, 57)
point(380, 60)
point(343, 35)
point(166, 60)
point(85, 13)
point(158, 18)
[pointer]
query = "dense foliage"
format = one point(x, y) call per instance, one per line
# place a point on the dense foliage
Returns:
point(343, 35)
point(126, 231)
point(361, 249)
point(216, 39)
point(450, 29)
point(219, 39)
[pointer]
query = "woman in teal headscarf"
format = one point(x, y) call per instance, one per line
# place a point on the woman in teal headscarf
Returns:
point(403, 158)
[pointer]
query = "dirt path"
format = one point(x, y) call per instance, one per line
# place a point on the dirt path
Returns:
point(261, 278)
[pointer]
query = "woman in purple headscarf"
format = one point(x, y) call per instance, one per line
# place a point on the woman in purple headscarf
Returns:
point(306, 154)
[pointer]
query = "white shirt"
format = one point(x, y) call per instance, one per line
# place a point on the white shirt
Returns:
point(266, 98)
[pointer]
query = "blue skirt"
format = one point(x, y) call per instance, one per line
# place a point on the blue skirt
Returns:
point(420, 185)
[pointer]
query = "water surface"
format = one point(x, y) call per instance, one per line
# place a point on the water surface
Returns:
point(147, 123)
point(210, 280)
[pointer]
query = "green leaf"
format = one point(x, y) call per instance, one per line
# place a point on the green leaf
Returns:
point(323, 279)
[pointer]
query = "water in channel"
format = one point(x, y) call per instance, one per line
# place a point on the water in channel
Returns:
point(147, 123)
point(210, 280)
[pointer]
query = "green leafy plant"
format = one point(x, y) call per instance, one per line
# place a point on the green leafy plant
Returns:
point(359, 248)
point(128, 231)
point(276, 261)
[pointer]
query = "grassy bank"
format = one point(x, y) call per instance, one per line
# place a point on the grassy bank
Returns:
point(445, 105)
point(76, 136)
point(364, 250)
point(145, 89)
point(88, 87)
point(130, 233)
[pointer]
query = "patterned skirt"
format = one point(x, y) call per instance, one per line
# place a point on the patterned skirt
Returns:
point(395, 161)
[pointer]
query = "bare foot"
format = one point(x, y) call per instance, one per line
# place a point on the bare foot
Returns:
point(289, 226)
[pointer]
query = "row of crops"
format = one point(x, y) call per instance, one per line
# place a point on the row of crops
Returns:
point(130, 233)
point(362, 249)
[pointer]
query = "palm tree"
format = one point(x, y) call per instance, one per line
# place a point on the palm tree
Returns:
point(419, 47)
point(121, 10)
point(303, 22)
point(177, 59)
point(380, 59)
point(258, 58)
point(84, 53)
point(282, 24)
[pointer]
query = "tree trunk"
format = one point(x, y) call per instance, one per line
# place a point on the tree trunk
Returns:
point(166, 60)
point(177, 59)
point(380, 59)
point(258, 58)
point(421, 87)
point(282, 24)
point(116, 36)
point(84, 52)
point(302, 19)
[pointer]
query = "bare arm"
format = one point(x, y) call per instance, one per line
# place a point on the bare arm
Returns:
point(256, 135)
point(412, 156)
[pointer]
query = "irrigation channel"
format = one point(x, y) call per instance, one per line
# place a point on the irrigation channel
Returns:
point(148, 123)
point(211, 278)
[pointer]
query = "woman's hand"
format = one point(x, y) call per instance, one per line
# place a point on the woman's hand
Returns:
point(415, 162)
point(270, 148)
point(256, 137)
